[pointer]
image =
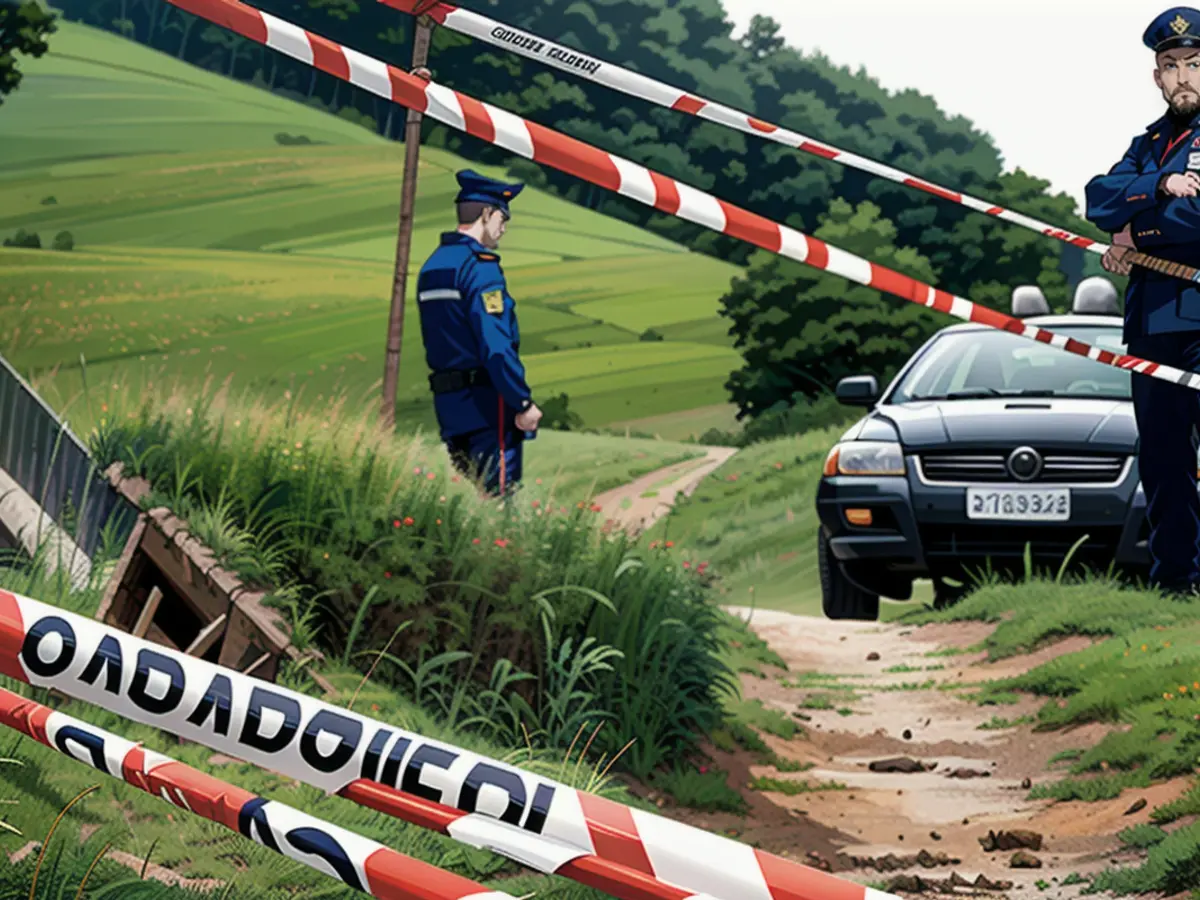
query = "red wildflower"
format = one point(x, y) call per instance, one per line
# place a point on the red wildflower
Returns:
point(537, 503)
point(431, 476)
point(687, 565)
point(653, 544)
point(596, 507)
point(374, 707)
point(408, 520)
point(396, 523)
point(669, 544)
point(439, 521)
point(387, 574)
point(779, 465)
point(476, 541)
point(501, 542)
point(417, 470)
point(704, 770)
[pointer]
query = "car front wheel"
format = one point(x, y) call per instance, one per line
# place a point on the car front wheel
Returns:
point(841, 598)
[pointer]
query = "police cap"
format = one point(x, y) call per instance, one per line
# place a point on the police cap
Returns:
point(1177, 27)
point(476, 188)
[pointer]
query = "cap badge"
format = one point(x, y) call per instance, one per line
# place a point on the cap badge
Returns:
point(1180, 25)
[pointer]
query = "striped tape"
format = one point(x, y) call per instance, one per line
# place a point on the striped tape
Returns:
point(606, 170)
point(350, 858)
point(539, 823)
point(618, 78)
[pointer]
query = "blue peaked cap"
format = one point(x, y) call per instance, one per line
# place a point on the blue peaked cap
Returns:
point(1177, 27)
point(476, 188)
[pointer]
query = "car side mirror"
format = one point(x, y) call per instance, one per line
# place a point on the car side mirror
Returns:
point(858, 390)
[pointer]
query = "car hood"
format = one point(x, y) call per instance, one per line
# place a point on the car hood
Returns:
point(1103, 425)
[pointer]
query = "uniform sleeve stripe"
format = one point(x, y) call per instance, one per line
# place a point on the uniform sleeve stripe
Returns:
point(443, 294)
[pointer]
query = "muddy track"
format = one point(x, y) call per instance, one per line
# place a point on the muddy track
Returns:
point(638, 505)
point(972, 777)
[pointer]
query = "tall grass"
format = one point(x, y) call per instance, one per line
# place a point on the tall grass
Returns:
point(525, 615)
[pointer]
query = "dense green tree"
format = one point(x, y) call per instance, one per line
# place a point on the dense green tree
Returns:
point(24, 29)
point(800, 329)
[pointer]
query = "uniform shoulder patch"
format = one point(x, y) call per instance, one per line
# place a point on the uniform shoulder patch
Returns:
point(493, 302)
point(487, 257)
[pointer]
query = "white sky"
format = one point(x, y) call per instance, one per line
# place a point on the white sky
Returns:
point(1061, 86)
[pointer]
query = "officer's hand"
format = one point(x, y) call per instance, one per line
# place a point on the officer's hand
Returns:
point(528, 420)
point(1114, 260)
point(1185, 185)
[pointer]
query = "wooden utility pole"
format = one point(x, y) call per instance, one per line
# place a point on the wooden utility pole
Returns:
point(408, 197)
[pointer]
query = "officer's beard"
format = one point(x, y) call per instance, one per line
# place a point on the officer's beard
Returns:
point(1183, 104)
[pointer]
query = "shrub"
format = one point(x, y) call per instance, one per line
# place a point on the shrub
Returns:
point(651, 334)
point(558, 415)
point(291, 140)
point(64, 241)
point(25, 239)
point(525, 613)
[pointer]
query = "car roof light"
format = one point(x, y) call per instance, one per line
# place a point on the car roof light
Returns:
point(1096, 296)
point(1028, 300)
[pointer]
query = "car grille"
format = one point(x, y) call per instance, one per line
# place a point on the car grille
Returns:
point(991, 467)
point(1000, 541)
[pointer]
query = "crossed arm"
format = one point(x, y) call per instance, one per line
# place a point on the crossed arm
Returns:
point(1142, 210)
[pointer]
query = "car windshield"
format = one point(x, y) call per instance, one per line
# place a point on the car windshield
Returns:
point(971, 364)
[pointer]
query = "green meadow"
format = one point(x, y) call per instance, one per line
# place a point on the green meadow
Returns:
point(205, 248)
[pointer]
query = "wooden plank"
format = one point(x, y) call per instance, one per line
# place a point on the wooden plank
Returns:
point(117, 578)
point(258, 662)
point(207, 637)
point(175, 565)
point(157, 636)
point(148, 611)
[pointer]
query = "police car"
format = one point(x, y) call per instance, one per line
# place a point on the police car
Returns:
point(984, 447)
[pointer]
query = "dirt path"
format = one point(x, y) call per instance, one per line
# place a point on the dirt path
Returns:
point(855, 712)
point(638, 505)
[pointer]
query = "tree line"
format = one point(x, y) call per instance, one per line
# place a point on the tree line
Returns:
point(818, 325)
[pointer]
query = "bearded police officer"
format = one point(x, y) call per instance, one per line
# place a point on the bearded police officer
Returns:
point(1148, 201)
point(484, 406)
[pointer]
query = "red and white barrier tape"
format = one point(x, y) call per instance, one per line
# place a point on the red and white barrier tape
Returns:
point(542, 824)
point(529, 45)
point(362, 864)
point(626, 178)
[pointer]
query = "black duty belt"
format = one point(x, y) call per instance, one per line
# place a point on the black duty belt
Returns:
point(451, 380)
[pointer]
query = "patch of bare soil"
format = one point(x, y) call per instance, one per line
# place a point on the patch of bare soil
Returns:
point(638, 505)
point(927, 790)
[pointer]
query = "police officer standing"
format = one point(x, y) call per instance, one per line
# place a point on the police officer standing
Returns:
point(1148, 201)
point(485, 409)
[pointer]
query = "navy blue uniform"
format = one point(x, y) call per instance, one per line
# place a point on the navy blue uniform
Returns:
point(472, 347)
point(1162, 314)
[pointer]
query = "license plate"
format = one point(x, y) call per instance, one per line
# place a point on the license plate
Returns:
point(1019, 504)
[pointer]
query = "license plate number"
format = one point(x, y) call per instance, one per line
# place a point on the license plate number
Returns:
point(1019, 505)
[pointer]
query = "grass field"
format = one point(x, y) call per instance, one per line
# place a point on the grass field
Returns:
point(754, 520)
point(203, 246)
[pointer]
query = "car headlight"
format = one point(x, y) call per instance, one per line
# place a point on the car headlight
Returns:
point(866, 458)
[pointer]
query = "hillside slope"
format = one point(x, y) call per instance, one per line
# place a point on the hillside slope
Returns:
point(206, 243)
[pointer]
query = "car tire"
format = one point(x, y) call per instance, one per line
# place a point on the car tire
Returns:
point(841, 598)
